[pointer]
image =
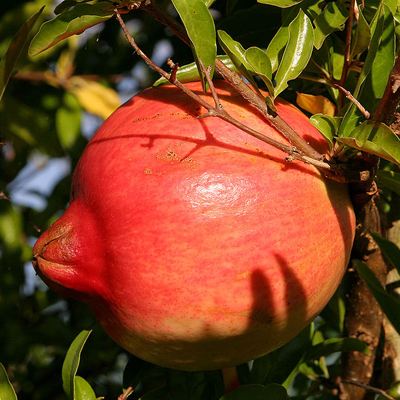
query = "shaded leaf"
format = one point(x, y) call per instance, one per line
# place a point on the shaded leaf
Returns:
point(297, 52)
point(362, 37)
point(260, 64)
point(390, 306)
point(389, 249)
point(376, 138)
point(136, 370)
point(190, 72)
point(9, 60)
point(330, 20)
point(257, 392)
point(328, 126)
point(94, 97)
point(389, 179)
point(68, 23)
point(280, 3)
point(335, 345)
point(195, 14)
point(71, 363)
point(67, 4)
point(6, 389)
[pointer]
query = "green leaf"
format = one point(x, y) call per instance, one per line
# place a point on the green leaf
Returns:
point(390, 306)
point(67, 4)
point(257, 392)
point(389, 179)
point(6, 390)
point(376, 138)
point(297, 52)
point(362, 37)
point(277, 46)
point(236, 53)
point(330, 20)
point(280, 3)
point(389, 249)
point(83, 391)
point(327, 125)
point(335, 345)
point(260, 64)
point(195, 14)
point(9, 60)
point(190, 72)
point(68, 23)
point(71, 364)
point(68, 121)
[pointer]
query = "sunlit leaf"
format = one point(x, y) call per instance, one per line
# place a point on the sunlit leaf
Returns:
point(376, 138)
point(260, 64)
point(94, 97)
point(195, 14)
point(236, 53)
point(9, 60)
point(190, 72)
point(328, 126)
point(389, 304)
point(390, 250)
point(71, 364)
point(316, 104)
point(68, 23)
point(280, 3)
point(331, 19)
point(297, 52)
point(83, 391)
point(6, 389)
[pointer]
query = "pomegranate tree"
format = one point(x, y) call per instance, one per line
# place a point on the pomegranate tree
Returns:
point(195, 245)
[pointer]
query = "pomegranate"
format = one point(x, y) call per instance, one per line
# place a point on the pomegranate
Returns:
point(195, 245)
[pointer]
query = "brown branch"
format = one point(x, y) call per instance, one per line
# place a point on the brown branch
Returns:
point(391, 97)
point(217, 111)
point(237, 82)
point(349, 96)
point(371, 389)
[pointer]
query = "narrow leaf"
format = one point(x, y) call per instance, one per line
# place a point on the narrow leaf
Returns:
point(328, 126)
point(257, 392)
point(10, 58)
point(389, 179)
point(67, 4)
point(334, 345)
point(6, 389)
point(195, 15)
point(277, 46)
point(330, 20)
point(83, 391)
point(68, 23)
point(71, 363)
point(389, 249)
point(236, 53)
point(375, 138)
point(297, 52)
point(362, 37)
point(280, 3)
point(390, 306)
point(260, 64)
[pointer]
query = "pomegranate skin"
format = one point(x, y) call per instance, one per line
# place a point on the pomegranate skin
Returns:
point(196, 246)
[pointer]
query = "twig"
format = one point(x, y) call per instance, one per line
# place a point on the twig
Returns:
point(237, 82)
point(349, 96)
point(370, 389)
point(126, 394)
point(219, 111)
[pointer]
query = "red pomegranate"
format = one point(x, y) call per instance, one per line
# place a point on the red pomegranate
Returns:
point(195, 245)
